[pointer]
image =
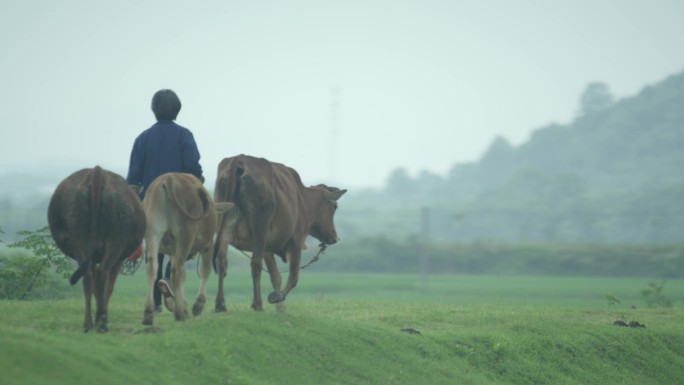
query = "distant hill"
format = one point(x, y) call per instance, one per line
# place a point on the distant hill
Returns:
point(614, 174)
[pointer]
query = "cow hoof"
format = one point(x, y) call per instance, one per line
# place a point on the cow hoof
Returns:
point(181, 315)
point(220, 305)
point(197, 308)
point(276, 297)
point(87, 324)
point(148, 318)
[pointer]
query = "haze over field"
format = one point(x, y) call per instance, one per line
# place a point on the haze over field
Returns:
point(345, 92)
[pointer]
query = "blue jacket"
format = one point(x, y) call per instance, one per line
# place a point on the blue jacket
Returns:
point(164, 147)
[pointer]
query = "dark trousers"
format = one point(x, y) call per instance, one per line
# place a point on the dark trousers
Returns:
point(167, 275)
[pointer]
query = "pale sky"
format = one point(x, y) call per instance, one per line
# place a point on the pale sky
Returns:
point(422, 84)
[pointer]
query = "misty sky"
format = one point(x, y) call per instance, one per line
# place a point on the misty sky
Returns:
point(420, 84)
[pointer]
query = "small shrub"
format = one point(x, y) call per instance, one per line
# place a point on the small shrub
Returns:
point(654, 295)
point(31, 268)
point(612, 299)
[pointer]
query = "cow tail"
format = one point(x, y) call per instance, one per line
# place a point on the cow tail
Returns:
point(219, 196)
point(202, 194)
point(95, 206)
point(82, 267)
point(168, 187)
point(226, 190)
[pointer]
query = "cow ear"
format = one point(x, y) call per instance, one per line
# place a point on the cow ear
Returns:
point(337, 194)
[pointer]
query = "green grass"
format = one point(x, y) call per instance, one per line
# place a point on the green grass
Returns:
point(346, 329)
point(456, 289)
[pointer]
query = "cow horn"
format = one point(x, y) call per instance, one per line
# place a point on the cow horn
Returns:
point(224, 207)
point(337, 194)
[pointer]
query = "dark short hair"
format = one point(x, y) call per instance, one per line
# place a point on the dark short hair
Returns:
point(165, 105)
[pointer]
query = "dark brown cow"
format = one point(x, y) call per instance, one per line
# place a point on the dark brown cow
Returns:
point(181, 221)
point(274, 213)
point(96, 219)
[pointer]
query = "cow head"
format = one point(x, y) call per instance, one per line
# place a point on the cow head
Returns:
point(323, 226)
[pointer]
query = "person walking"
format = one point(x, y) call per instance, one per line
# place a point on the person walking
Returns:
point(164, 147)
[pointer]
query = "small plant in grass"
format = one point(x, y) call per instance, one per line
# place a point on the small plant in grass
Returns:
point(654, 295)
point(23, 273)
point(612, 299)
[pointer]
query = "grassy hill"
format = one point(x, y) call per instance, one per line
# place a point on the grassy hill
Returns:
point(340, 337)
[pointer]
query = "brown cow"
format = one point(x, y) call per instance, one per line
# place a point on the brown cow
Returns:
point(181, 218)
point(274, 213)
point(96, 219)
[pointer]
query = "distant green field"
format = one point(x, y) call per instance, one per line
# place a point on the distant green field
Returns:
point(452, 289)
point(347, 329)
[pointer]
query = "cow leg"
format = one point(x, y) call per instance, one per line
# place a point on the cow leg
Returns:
point(99, 278)
point(256, 266)
point(87, 292)
point(109, 279)
point(204, 271)
point(183, 245)
point(294, 258)
point(180, 307)
point(221, 266)
point(258, 227)
point(151, 249)
point(275, 279)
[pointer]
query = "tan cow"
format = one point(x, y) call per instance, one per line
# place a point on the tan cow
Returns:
point(96, 219)
point(274, 214)
point(181, 221)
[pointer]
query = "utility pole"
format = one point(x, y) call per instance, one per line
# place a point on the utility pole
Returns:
point(334, 131)
point(425, 246)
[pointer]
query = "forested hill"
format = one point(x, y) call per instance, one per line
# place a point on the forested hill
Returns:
point(614, 174)
point(634, 144)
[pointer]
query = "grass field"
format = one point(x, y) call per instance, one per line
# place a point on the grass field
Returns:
point(346, 329)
